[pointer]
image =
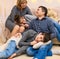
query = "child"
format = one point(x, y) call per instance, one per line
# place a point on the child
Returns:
point(43, 39)
point(20, 22)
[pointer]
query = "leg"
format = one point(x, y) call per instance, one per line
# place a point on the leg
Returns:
point(19, 52)
point(26, 35)
point(9, 50)
point(22, 50)
point(12, 27)
point(58, 35)
point(31, 52)
point(56, 24)
point(15, 30)
point(42, 52)
point(49, 53)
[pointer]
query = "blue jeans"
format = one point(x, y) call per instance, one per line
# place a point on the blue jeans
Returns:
point(40, 53)
point(11, 48)
point(58, 34)
point(57, 26)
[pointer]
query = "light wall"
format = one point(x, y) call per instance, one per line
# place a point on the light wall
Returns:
point(6, 6)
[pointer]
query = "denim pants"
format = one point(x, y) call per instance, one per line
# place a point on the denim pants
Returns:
point(57, 26)
point(40, 53)
point(11, 48)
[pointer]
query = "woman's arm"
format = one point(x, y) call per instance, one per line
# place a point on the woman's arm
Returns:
point(28, 11)
point(10, 20)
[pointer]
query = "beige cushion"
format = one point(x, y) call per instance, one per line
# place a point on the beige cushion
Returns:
point(55, 41)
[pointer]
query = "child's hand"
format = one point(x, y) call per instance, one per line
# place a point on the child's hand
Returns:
point(26, 25)
point(22, 29)
point(33, 42)
point(17, 35)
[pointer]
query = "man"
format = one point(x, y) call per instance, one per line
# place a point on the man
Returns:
point(42, 24)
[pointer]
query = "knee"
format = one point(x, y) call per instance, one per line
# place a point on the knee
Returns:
point(46, 47)
point(21, 29)
point(43, 48)
point(29, 52)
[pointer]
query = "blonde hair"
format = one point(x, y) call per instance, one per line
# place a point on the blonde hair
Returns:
point(19, 2)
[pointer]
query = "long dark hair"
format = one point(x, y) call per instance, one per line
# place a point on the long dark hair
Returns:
point(17, 19)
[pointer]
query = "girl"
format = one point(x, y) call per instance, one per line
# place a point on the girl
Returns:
point(21, 22)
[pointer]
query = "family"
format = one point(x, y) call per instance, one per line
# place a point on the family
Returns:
point(31, 35)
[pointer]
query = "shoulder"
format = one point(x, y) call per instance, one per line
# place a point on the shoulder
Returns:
point(34, 20)
point(14, 8)
point(27, 8)
point(48, 19)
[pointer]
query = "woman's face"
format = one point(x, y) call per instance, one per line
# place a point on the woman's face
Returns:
point(23, 5)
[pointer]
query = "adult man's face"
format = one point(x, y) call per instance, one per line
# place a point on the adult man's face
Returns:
point(39, 12)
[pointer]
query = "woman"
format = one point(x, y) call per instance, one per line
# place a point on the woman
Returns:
point(20, 9)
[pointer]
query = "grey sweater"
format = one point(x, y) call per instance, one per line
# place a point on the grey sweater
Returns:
point(27, 37)
point(15, 11)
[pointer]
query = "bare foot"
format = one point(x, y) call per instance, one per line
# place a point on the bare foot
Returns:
point(12, 56)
